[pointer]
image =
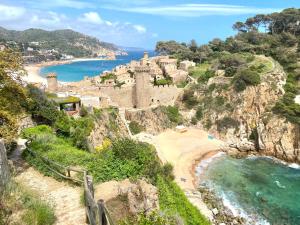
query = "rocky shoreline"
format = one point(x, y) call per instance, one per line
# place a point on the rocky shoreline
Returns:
point(221, 214)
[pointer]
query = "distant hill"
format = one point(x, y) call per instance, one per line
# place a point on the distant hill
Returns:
point(65, 41)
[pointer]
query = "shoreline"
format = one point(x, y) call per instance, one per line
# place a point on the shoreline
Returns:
point(33, 70)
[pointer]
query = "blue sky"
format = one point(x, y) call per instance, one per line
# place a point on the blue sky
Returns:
point(137, 23)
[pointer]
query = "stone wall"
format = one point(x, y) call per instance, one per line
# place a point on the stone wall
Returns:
point(4, 167)
point(156, 95)
point(122, 96)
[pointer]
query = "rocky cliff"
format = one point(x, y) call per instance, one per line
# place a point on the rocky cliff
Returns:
point(107, 124)
point(152, 120)
point(245, 119)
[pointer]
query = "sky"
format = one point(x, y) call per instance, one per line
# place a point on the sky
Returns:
point(137, 23)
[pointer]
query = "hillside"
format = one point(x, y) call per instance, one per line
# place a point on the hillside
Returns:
point(247, 85)
point(66, 42)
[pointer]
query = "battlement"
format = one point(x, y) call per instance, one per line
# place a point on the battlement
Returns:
point(142, 69)
point(51, 75)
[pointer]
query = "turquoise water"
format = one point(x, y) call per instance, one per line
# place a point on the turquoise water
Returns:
point(77, 70)
point(260, 188)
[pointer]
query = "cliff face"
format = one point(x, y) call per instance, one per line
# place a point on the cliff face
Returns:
point(246, 121)
point(153, 120)
point(107, 125)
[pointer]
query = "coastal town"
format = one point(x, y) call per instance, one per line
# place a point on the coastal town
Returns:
point(93, 132)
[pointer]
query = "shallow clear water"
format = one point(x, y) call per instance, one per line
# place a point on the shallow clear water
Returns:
point(77, 70)
point(264, 189)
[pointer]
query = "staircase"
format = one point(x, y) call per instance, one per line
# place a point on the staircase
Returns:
point(123, 118)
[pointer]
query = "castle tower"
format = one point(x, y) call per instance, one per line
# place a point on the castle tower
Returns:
point(142, 86)
point(52, 82)
point(145, 58)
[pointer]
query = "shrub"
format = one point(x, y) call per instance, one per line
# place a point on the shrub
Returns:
point(16, 198)
point(135, 127)
point(230, 71)
point(205, 77)
point(106, 144)
point(194, 120)
point(244, 78)
point(189, 99)
point(225, 123)
point(199, 113)
point(173, 201)
point(220, 100)
point(173, 114)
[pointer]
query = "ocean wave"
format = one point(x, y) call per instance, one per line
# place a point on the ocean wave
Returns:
point(237, 210)
point(204, 163)
point(291, 165)
point(279, 184)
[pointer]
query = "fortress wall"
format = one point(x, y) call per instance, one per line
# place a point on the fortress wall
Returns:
point(122, 96)
point(166, 95)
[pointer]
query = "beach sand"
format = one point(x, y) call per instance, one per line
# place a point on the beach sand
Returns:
point(184, 151)
point(33, 75)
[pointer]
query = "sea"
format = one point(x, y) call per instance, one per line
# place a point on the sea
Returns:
point(263, 190)
point(76, 71)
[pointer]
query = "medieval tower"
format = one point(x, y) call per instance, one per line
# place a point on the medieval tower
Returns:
point(142, 86)
point(52, 82)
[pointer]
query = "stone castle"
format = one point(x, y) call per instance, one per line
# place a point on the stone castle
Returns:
point(129, 86)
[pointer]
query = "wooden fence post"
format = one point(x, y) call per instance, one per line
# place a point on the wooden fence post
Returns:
point(101, 211)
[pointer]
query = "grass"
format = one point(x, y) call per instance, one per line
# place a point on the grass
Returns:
point(124, 159)
point(135, 127)
point(199, 70)
point(16, 199)
point(261, 65)
point(173, 201)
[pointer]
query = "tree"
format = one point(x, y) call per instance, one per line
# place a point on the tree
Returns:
point(13, 99)
point(240, 26)
point(193, 45)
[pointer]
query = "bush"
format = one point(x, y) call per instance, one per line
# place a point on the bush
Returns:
point(205, 77)
point(230, 71)
point(199, 113)
point(135, 127)
point(173, 201)
point(17, 199)
point(225, 123)
point(173, 114)
point(189, 99)
point(244, 78)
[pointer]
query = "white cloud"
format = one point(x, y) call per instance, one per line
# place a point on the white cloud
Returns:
point(43, 4)
point(48, 20)
point(195, 10)
point(91, 17)
point(94, 18)
point(10, 12)
point(140, 29)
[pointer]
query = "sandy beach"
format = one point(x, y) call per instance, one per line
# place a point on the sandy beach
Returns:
point(184, 151)
point(33, 70)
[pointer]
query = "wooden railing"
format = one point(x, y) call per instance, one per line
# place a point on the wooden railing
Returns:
point(96, 212)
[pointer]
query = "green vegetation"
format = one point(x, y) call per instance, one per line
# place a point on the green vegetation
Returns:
point(126, 158)
point(108, 77)
point(166, 81)
point(245, 78)
point(205, 76)
point(17, 199)
point(64, 41)
point(182, 84)
point(173, 114)
point(173, 201)
point(135, 127)
point(13, 100)
point(189, 99)
point(226, 123)
point(64, 100)
point(199, 70)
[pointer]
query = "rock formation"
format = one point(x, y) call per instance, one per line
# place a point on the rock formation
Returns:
point(252, 125)
point(4, 167)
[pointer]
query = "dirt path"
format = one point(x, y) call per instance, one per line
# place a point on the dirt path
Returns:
point(64, 197)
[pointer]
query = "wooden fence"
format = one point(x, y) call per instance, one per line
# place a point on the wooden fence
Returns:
point(96, 212)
